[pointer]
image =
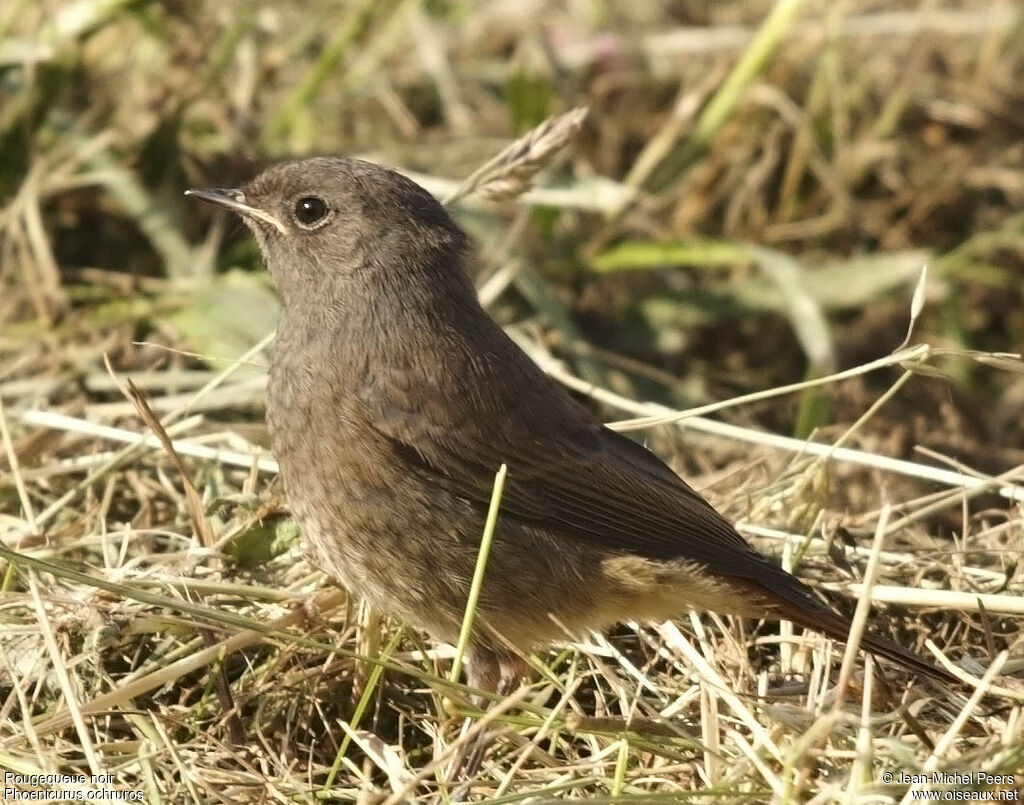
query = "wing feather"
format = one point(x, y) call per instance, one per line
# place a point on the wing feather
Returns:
point(567, 472)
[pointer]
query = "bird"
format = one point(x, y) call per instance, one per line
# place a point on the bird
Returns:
point(393, 398)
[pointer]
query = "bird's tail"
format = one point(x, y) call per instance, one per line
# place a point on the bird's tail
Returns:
point(822, 619)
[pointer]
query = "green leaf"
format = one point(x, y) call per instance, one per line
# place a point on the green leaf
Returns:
point(230, 313)
point(263, 541)
point(648, 254)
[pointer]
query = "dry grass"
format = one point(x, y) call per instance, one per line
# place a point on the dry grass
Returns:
point(159, 620)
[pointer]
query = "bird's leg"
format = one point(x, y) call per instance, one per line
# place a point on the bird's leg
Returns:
point(497, 672)
point(514, 669)
point(484, 671)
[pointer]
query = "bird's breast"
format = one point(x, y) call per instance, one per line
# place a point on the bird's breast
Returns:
point(360, 506)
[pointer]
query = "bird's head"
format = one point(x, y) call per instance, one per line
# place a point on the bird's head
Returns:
point(326, 224)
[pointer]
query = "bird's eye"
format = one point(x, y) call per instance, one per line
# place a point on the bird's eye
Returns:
point(310, 211)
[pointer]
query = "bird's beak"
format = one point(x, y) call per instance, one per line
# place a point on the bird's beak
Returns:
point(235, 200)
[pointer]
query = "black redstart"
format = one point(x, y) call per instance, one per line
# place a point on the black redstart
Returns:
point(394, 398)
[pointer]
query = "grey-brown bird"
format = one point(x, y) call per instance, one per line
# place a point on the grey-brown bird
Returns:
point(394, 398)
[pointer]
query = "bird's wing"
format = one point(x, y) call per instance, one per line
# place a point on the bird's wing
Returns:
point(570, 475)
point(567, 472)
